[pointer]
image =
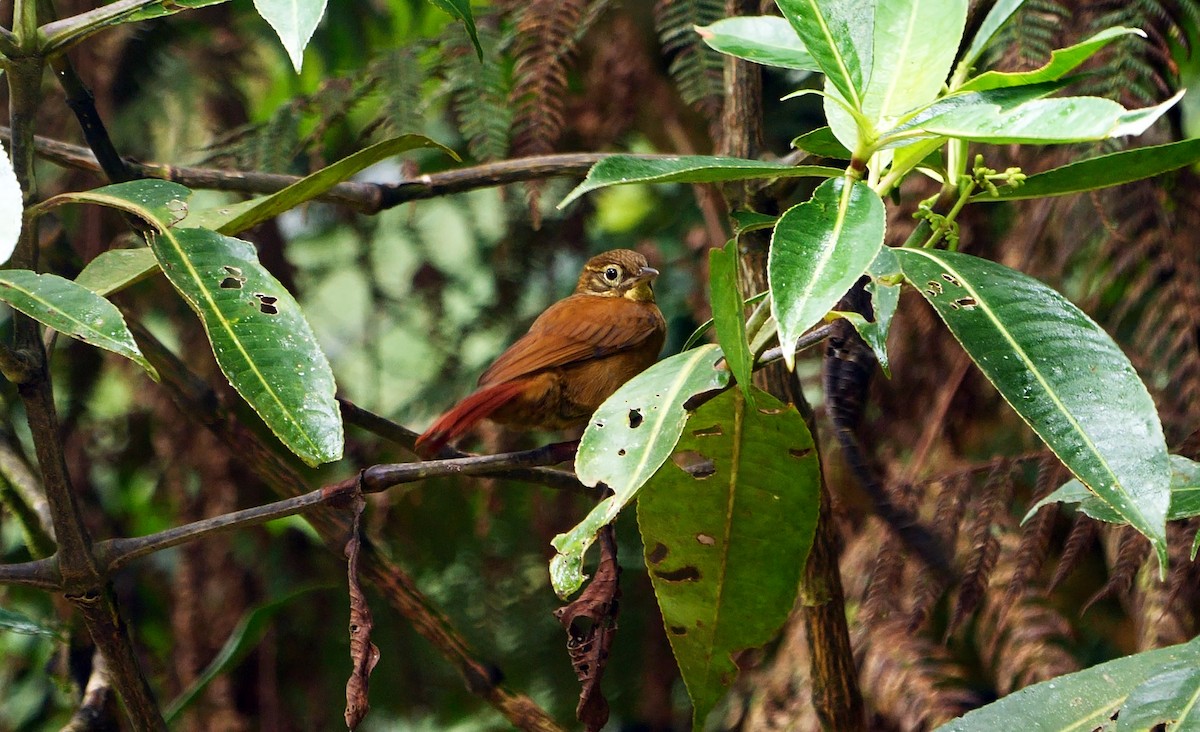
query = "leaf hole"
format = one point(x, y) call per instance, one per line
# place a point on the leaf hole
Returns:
point(232, 283)
point(935, 288)
point(658, 553)
point(770, 411)
point(678, 630)
point(694, 464)
point(267, 303)
point(715, 431)
point(621, 452)
point(635, 419)
point(800, 454)
point(683, 574)
point(234, 271)
point(966, 303)
point(951, 279)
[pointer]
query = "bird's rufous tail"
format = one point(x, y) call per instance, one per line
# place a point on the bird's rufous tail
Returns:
point(465, 415)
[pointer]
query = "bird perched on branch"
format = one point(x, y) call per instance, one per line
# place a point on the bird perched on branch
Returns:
point(575, 355)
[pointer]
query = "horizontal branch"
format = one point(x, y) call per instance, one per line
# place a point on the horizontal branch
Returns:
point(41, 573)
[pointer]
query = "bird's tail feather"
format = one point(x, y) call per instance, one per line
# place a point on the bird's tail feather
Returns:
point(465, 415)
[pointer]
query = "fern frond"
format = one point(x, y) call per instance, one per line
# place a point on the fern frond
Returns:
point(479, 90)
point(698, 70)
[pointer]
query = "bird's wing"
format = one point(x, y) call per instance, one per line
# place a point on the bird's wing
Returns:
point(578, 328)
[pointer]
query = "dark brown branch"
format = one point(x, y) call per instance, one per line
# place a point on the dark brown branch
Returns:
point(41, 573)
point(97, 709)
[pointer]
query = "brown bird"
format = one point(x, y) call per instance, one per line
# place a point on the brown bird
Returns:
point(575, 355)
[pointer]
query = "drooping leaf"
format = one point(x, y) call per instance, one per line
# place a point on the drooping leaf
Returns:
point(62, 34)
point(1062, 62)
point(12, 208)
point(839, 36)
point(461, 9)
point(260, 337)
point(997, 16)
point(294, 22)
point(729, 315)
point(818, 251)
point(239, 217)
point(626, 441)
point(1102, 171)
point(884, 289)
point(764, 39)
point(158, 201)
point(72, 310)
point(1062, 373)
point(822, 141)
point(744, 221)
point(1088, 699)
point(727, 524)
point(621, 169)
point(1044, 121)
point(117, 269)
point(15, 622)
point(1185, 495)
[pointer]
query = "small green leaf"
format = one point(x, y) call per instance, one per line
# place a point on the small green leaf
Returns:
point(626, 441)
point(884, 289)
point(839, 36)
point(822, 141)
point(15, 622)
point(1062, 62)
point(168, 7)
point(1062, 373)
point(744, 221)
point(764, 39)
point(1102, 171)
point(997, 16)
point(727, 525)
point(62, 34)
point(239, 217)
point(117, 269)
point(1085, 700)
point(294, 22)
point(72, 310)
point(12, 208)
point(729, 314)
point(1057, 120)
point(461, 9)
point(1185, 495)
point(819, 250)
point(260, 337)
point(622, 169)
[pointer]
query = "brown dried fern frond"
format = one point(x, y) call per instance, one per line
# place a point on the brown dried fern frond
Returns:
point(1130, 553)
point(947, 515)
point(1033, 546)
point(1083, 535)
point(983, 542)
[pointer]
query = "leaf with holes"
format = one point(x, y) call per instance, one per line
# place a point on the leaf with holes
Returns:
point(623, 169)
point(117, 269)
point(72, 310)
point(260, 337)
point(1151, 687)
point(729, 313)
point(238, 217)
point(818, 251)
point(727, 524)
point(159, 202)
point(1185, 495)
point(764, 39)
point(626, 441)
point(1062, 373)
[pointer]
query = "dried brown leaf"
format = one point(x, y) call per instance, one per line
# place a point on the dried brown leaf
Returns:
point(363, 653)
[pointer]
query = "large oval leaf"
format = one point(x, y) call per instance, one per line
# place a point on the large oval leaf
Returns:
point(764, 39)
point(818, 251)
point(1185, 495)
point(1062, 373)
point(628, 438)
point(727, 525)
point(260, 337)
point(72, 310)
point(1136, 687)
point(838, 35)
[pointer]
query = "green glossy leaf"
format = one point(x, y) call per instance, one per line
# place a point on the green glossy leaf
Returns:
point(117, 269)
point(1170, 698)
point(294, 22)
point(15, 622)
point(997, 16)
point(884, 289)
point(1057, 120)
point(1084, 700)
point(461, 9)
point(158, 201)
point(839, 36)
point(169, 7)
point(72, 310)
point(1062, 373)
point(729, 314)
point(260, 337)
point(1185, 495)
point(915, 42)
point(1062, 62)
point(62, 34)
point(246, 635)
point(626, 441)
point(12, 208)
point(239, 217)
point(622, 169)
point(727, 524)
point(704, 327)
point(823, 142)
point(819, 250)
point(1103, 171)
point(764, 39)
point(744, 221)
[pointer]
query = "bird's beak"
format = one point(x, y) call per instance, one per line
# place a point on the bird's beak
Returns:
point(646, 273)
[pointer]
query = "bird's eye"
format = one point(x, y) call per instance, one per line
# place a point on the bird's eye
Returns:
point(612, 274)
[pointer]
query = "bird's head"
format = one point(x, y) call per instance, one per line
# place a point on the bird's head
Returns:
point(618, 273)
